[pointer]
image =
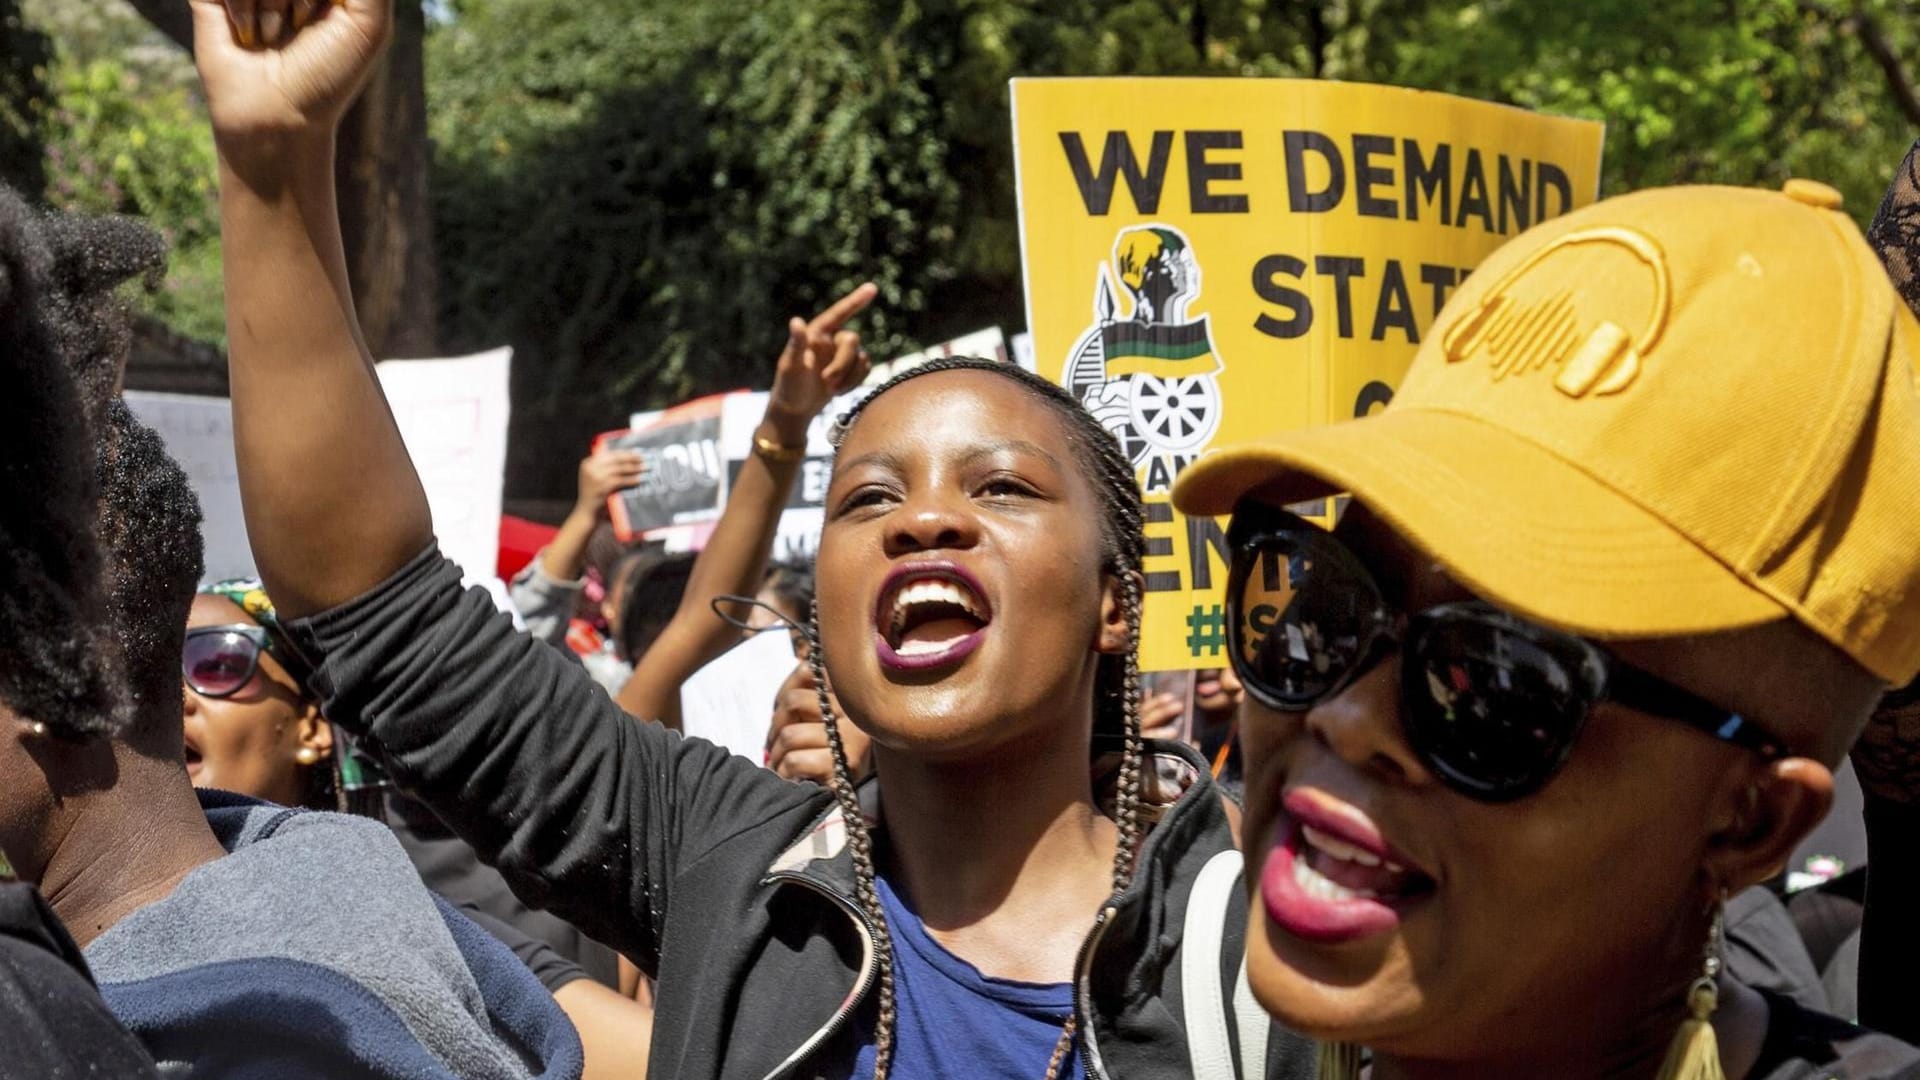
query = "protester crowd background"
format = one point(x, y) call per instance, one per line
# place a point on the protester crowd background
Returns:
point(662, 132)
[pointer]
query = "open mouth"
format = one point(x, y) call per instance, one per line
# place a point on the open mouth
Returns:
point(193, 759)
point(1331, 877)
point(929, 615)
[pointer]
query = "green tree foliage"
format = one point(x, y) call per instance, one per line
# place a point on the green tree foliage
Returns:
point(1696, 91)
point(114, 145)
point(123, 132)
point(636, 193)
point(24, 52)
point(639, 193)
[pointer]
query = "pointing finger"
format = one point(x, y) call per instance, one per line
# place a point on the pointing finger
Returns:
point(846, 354)
point(845, 308)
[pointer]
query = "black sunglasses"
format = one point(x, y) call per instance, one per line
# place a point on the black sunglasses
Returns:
point(1493, 704)
point(218, 660)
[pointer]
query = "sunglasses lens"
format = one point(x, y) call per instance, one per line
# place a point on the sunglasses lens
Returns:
point(1303, 615)
point(1491, 707)
point(218, 664)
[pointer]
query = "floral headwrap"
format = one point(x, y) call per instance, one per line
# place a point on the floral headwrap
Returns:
point(250, 596)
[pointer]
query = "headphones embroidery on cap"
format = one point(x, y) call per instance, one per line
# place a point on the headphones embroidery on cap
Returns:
point(1594, 352)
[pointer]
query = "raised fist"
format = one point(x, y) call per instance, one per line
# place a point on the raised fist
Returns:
point(275, 68)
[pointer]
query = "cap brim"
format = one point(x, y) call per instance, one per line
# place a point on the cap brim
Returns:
point(1509, 519)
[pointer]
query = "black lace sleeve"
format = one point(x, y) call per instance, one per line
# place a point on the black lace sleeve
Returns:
point(1895, 231)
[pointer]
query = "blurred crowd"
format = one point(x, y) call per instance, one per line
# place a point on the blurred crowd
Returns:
point(1510, 773)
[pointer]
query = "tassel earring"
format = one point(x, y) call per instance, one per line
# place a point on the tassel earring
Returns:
point(1338, 1061)
point(1695, 1051)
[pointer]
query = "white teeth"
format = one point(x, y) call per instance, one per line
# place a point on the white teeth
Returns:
point(921, 648)
point(1340, 849)
point(1321, 887)
point(931, 591)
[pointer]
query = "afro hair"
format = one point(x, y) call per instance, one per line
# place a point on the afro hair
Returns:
point(150, 536)
point(148, 518)
point(57, 662)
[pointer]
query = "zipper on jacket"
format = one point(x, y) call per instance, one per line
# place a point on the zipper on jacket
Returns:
point(1083, 977)
point(868, 966)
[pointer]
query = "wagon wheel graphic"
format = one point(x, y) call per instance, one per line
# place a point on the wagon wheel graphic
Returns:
point(1177, 415)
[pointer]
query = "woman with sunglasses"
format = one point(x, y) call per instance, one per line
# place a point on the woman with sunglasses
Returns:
point(251, 725)
point(1578, 659)
point(253, 728)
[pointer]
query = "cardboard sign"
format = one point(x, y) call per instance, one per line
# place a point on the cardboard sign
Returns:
point(1211, 260)
point(988, 344)
point(684, 484)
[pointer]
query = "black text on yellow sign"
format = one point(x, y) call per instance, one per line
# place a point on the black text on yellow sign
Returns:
point(1208, 261)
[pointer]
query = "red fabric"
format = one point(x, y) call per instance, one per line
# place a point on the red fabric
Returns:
point(520, 541)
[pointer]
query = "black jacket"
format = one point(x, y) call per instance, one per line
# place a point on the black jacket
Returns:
point(733, 887)
point(53, 1025)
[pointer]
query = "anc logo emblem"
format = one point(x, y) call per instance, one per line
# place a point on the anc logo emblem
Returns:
point(1149, 375)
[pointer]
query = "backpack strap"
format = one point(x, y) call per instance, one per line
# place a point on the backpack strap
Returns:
point(1203, 999)
point(1251, 1021)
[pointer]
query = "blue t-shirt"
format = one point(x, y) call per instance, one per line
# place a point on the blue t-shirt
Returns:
point(953, 1023)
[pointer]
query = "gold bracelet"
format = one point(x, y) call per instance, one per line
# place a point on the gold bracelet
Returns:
point(775, 454)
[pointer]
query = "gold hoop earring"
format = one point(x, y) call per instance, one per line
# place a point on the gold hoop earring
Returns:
point(1695, 1051)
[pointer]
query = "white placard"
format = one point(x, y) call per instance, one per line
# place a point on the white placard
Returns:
point(198, 432)
point(730, 701)
point(1023, 352)
point(453, 417)
point(988, 344)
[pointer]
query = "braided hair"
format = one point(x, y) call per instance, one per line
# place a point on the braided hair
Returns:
point(1116, 685)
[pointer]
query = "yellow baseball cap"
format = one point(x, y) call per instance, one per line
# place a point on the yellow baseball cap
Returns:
point(1680, 411)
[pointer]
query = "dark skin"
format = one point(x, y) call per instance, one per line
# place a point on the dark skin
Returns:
point(1495, 974)
point(104, 830)
point(252, 741)
point(991, 822)
point(992, 825)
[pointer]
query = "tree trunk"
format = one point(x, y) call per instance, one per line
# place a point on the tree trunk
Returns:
point(386, 219)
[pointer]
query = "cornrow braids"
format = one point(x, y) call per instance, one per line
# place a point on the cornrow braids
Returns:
point(860, 843)
point(1116, 686)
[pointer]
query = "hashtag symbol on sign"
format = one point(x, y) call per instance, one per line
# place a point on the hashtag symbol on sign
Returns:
point(1206, 630)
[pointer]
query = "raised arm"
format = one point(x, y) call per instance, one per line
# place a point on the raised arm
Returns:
point(333, 505)
point(585, 813)
point(548, 589)
point(822, 359)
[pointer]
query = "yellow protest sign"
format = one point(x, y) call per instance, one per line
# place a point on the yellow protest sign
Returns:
point(1210, 260)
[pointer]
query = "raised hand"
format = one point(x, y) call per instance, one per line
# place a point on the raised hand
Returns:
point(603, 473)
point(1161, 716)
point(822, 359)
point(285, 67)
point(797, 746)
